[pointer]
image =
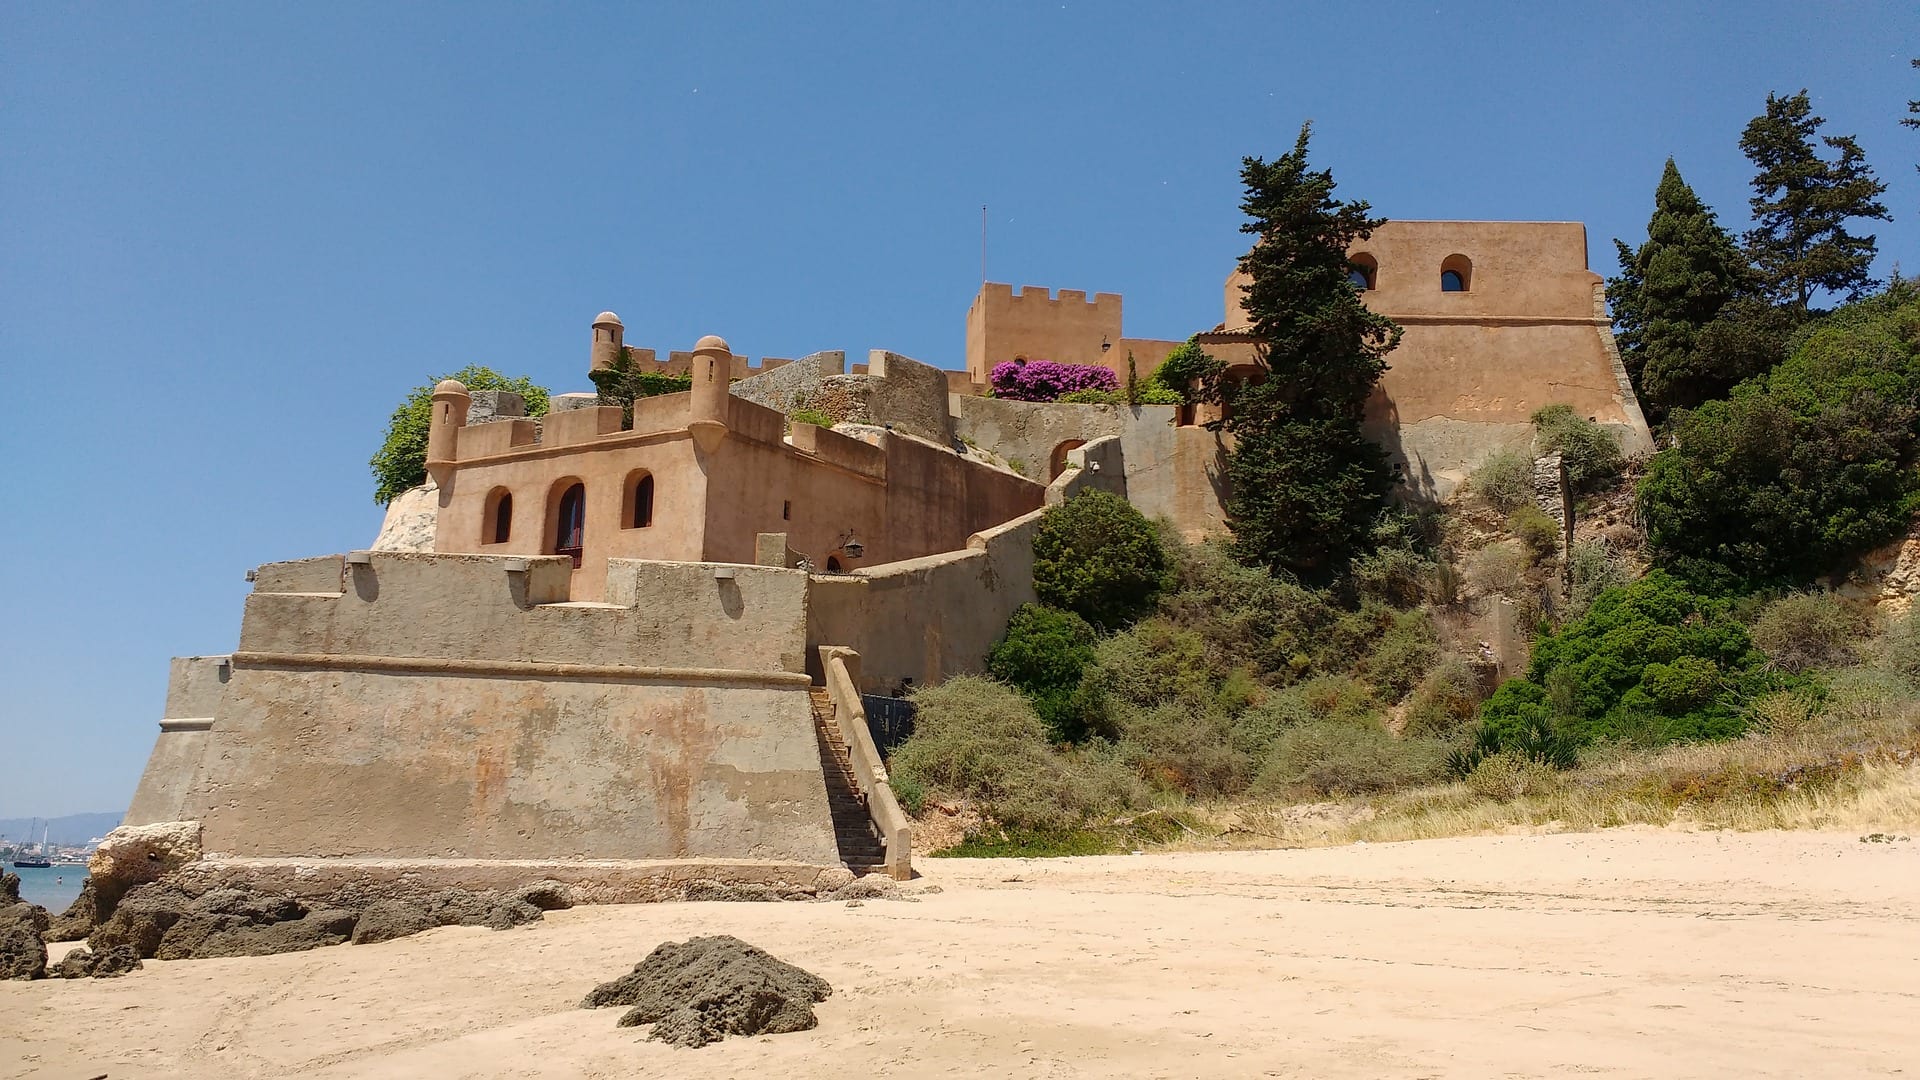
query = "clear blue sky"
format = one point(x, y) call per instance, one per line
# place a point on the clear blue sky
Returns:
point(233, 235)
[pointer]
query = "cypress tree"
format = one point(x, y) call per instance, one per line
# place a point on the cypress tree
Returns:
point(1802, 203)
point(1305, 485)
point(1668, 290)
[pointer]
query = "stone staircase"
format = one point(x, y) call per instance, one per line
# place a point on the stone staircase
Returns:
point(860, 847)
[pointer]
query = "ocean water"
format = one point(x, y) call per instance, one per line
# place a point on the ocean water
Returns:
point(53, 888)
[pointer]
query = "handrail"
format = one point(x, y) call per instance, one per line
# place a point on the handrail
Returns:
point(869, 772)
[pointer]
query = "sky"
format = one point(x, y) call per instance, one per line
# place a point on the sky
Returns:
point(233, 235)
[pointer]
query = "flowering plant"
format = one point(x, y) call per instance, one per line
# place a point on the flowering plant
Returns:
point(1045, 380)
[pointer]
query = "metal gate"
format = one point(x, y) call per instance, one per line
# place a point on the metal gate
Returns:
point(889, 721)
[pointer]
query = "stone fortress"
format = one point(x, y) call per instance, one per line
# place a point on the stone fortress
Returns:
point(626, 654)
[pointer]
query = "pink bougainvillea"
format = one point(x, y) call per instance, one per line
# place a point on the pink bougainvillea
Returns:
point(1044, 380)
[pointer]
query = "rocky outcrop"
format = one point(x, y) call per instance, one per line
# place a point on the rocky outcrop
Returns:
point(84, 963)
point(385, 920)
point(410, 519)
point(23, 949)
point(707, 988)
point(80, 917)
point(1888, 576)
point(135, 855)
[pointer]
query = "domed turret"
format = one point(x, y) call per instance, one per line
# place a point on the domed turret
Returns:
point(712, 374)
point(450, 402)
point(609, 337)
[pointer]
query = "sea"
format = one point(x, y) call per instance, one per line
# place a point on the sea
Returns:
point(53, 888)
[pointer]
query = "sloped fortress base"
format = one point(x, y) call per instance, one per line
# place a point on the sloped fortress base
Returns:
point(432, 707)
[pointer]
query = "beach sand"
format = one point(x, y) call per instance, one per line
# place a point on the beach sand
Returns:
point(1625, 953)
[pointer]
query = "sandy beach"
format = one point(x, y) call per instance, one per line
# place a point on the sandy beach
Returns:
point(1627, 953)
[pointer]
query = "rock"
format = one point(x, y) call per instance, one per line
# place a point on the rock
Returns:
point(22, 946)
point(546, 895)
point(80, 917)
point(82, 963)
point(31, 914)
point(410, 519)
point(9, 888)
point(385, 920)
point(141, 918)
point(184, 939)
point(866, 888)
point(743, 892)
point(261, 910)
point(134, 855)
point(459, 907)
point(704, 989)
point(319, 928)
point(511, 913)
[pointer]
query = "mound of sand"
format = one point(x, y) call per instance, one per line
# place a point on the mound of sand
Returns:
point(707, 988)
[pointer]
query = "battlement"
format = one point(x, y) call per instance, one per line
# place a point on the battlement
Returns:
point(994, 294)
point(680, 362)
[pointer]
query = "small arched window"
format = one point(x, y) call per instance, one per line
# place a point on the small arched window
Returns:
point(498, 521)
point(570, 525)
point(1362, 271)
point(833, 564)
point(1057, 463)
point(1456, 274)
point(638, 513)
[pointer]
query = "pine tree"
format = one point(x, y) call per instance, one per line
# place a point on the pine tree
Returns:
point(1305, 485)
point(1670, 288)
point(1912, 119)
point(1802, 203)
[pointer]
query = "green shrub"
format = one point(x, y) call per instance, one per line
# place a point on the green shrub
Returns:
point(1400, 576)
point(1504, 480)
point(1154, 663)
point(978, 739)
point(1245, 615)
point(1337, 758)
point(1650, 660)
point(1153, 393)
point(1043, 655)
point(1499, 568)
point(1446, 701)
point(619, 383)
point(1189, 372)
point(1509, 775)
point(1803, 468)
point(811, 416)
point(909, 792)
point(1538, 532)
point(401, 462)
point(1804, 631)
point(1093, 397)
point(1336, 698)
point(1100, 558)
point(1176, 749)
point(1591, 454)
point(1402, 654)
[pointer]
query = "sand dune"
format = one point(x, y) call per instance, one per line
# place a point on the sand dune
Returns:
point(1622, 953)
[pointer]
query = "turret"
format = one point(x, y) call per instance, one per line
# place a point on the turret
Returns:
point(712, 373)
point(608, 339)
point(450, 401)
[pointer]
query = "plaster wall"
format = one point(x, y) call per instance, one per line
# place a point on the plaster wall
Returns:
point(924, 620)
point(196, 687)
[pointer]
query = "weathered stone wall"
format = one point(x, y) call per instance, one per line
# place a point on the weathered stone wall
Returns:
point(889, 389)
point(925, 620)
point(1100, 465)
point(792, 386)
point(196, 688)
point(456, 706)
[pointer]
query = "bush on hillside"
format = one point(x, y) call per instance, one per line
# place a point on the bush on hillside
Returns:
point(1650, 661)
point(1401, 655)
point(1246, 615)
point(1591, 455)
point(1900, 649)
point(1538, 532)
point(1594, 569)
point(1446, 701)
point(1804, 631)
point(1331, 758)
point(401, 462)
point(1175, 748)
point(1043, 655)
point(1803, 468)
point(1045, 380)
point(1399, 575)
point(977, 739)
point(1153, 663)
point(1096, 556)
point(1504, 480)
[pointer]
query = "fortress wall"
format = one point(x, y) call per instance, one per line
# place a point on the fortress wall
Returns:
point(196, 687)
point(893, 389)
point(1100, 465)
point(470, 608)
point(792, 386)
point(920, 621)
point(349, 762)
point(1003, 324)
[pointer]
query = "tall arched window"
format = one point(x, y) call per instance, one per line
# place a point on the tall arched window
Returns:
point(638, 512)
point(498, 520)
point(1456, 274)
point(570, 525)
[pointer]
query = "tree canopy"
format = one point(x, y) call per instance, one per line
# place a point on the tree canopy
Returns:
point(1802, 203)
point(1305, 484)
point(401, 461)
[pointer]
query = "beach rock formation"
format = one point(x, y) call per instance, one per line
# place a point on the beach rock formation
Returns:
point(706, 988)
point(23, 951)
point(80, 917)
point(84, 963)
point(385, 920)
point(134, 855)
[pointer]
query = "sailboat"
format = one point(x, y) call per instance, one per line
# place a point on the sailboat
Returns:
point(23, 861)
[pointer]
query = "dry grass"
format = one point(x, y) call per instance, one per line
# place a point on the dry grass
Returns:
point(1855, 768)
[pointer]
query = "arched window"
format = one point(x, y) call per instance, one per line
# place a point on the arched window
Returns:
point(569, 531)
point(1456, 274)
point(833, 564)
point(638, 512)
point(1057, 464)
point(498, 520)
point(1362, 271)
